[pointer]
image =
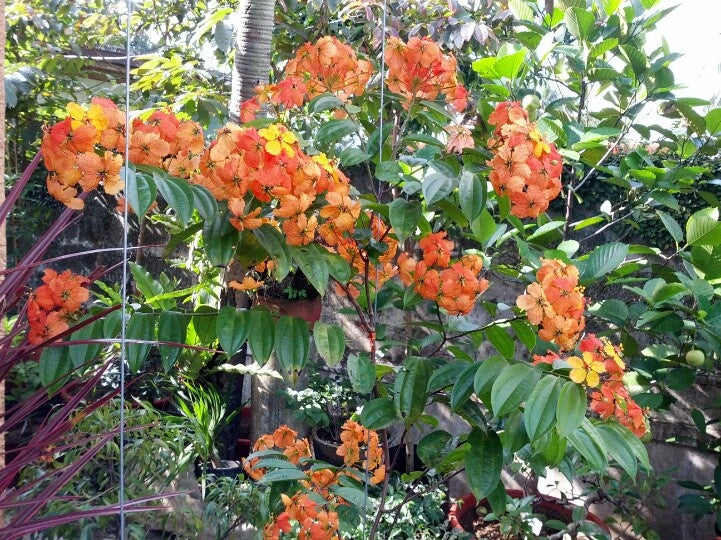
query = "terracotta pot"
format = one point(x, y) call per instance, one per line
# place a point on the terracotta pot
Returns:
point(467, 503)
point(308, 310)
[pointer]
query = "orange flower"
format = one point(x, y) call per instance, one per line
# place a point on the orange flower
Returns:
point(284, 437)
point(248, 284)
point(148, 148)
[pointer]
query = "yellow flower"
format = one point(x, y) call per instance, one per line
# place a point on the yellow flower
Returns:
point(94, 115)
point(586, 369)
point(278, 140)
point(540, 145)
point(610, 351)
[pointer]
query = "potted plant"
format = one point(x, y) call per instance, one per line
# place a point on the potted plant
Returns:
point(204, 411)
point(523, 516)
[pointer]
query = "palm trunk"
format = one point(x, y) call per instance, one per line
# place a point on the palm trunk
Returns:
point(252, 51)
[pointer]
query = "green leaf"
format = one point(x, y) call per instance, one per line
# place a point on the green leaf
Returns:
point(353, 156)
point(140, 191)
point(313, 264)
point(636, 59)
point(486, 68)
point(545, 228)
point(204, 324)
point(282, 475)
point(388, 171)
point(571, 408)
point(435, 187)
point(378, 413)
point(703, 228)
point(500, 339)
point(219, 239)
point(611, 6)
point(580, 22)
point(261, 336)
point(613, 310)
point(411, 388)
point(446, 375)
point(325, 102)
point(634, 444)
point(334, 130)
point(204, 201)
point(525, 333)
point(713, 121)
point(540, 412)
point(671, 225)
point(472, 195)
point(172, 328)
point(511, 388)
point(463, 387)
point(487, 374)
point(292, 343)
point(520, 10)
point(404, 216)
point(148, 287)
point(354, 496)
point(361, 373)
point(338, 267)
point(483, 462)
point(433, 447)
point(330, 342)
point(590, 445)
point(177, 194)
point(603, 260)
point(599, 48)
point(141, 326)
point(232, 327)
point(54, 363)
point(80, 354)
point(618, 449)
point(508, 66)
point(274, 243)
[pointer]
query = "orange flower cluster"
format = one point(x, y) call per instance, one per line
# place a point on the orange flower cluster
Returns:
point(83, 151)
point(357, 440)
point(86, 149)
point(162, 140)
point(53, 305)
point(329, 66)
point(419, 70)
point(526, 167)
point(313, 507)
point(453, 284)
point(358, 256)
point(251, 167)
point(601, 366)
point(555, 302)
point(612, 398)
point(324, 66)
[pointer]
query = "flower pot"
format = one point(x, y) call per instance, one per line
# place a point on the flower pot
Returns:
point(242, 449)
point(553, 507)
point(228, 468)
point(325, 450)
point(308, 310)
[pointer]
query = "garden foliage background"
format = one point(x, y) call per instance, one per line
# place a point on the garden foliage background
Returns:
point(508, 151)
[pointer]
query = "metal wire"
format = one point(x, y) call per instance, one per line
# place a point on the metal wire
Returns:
point(375, 300)
point(124, 284)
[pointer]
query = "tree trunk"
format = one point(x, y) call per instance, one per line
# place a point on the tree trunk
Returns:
point(252, 51)
point(252, 68)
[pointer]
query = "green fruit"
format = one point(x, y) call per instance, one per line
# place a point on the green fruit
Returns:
point(647, 437)
point(695, 358)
